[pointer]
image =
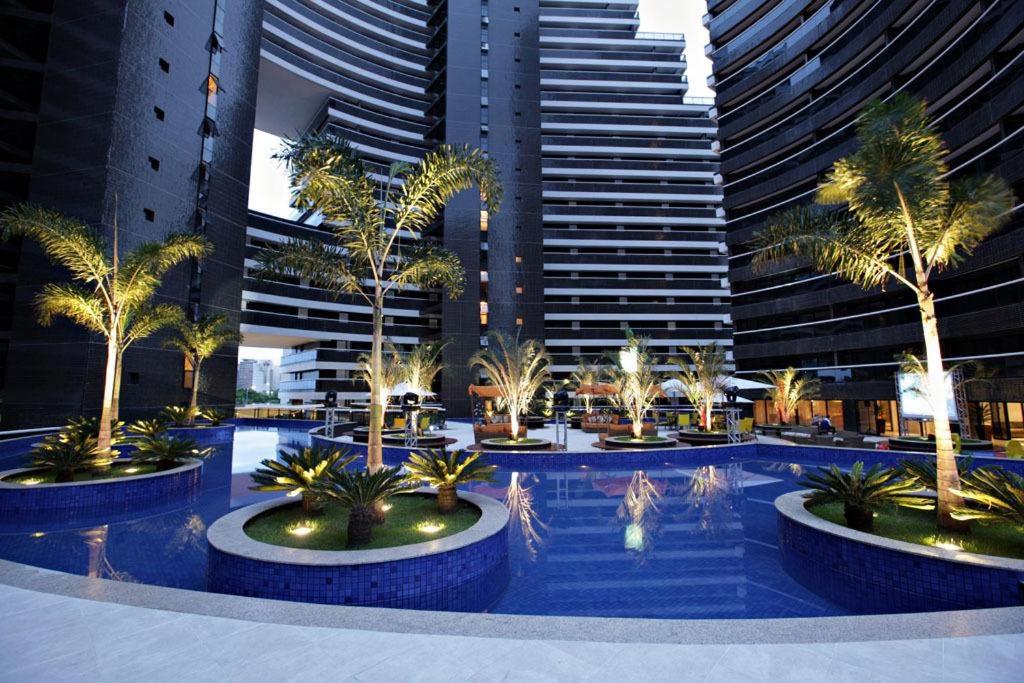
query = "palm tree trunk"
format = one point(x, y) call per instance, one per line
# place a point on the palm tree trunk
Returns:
point(374, 449)
point(360, 526)
point(103, 437)
point(115, 404)
point(947, 476)
point(193, 403)
point(513, 421)
point(447, 499)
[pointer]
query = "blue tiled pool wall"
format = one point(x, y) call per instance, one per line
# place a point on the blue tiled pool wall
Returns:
point(278, 423)
point(468, 579)
point(83, 502)
point(868, 579)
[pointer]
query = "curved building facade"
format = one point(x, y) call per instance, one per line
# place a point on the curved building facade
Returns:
point(791, 77)
point(611, 214)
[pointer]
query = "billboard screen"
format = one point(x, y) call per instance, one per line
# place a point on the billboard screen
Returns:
point(914, 401)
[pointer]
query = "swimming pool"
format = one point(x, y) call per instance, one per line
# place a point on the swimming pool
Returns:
point(695, 538)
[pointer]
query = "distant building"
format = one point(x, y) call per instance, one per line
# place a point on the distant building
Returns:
point(246, 369)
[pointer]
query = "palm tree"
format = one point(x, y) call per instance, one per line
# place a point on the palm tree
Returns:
point(198, 340)
point(903, 221)
point(300, 473)
point(706, 381)
point(788, 388)
point(586, 374)
point(138, 325)
point(517, 369)
point(363, 493)
point(367, 258)
point(391, 370)
point(110, 294)
point(632, 373)
point(444, 471)
point(422, 365)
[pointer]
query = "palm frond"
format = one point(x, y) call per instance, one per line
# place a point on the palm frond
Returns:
point(143, 322)
point(71, 301)
point(427, 265)
point(517, 369)
point(324, 265)
point(65, 240)
point(977, 206)
point(993, 494)
point(439, 468)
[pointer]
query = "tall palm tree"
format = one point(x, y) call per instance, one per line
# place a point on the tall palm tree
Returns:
point(517, 369)
point(110, 293)
point(891, 214)
point(377, 247)
point(391, 370)
point(705, 381)
point(137, 325)
point(638, 385)
point(788, 388)
point(198, 340)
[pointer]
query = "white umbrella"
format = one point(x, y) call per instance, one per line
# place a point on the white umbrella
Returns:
point(745, 384)
point(403, 388)
point(674, 388)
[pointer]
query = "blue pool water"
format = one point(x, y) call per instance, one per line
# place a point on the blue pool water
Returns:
point(681, 540)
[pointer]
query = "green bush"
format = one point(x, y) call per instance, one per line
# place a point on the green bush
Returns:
point(861, 493)
point(363, 493)
point(167, 452)
point(66, 452)
point(444, 471)
point(992, 495)
point(299, 473)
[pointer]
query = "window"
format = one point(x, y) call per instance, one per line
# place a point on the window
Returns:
point(132, 378)
point(165, 66)
point(154, 163)
point(159, 113)
point(519, 290)
point(519, 259)
point(188, 374)
point(169, 18)
point(150, 214)
point(519, 322)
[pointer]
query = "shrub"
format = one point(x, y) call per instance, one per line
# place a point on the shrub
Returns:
point(214, 415)
point(179, 416)
point(362, 493)
point(997, 496)
point(299, 473)
point(167, 452)
point(861, 493)
point(65, 453)
point(90, 426)
point(925, 472)
point(444, 471)
point(142, 428)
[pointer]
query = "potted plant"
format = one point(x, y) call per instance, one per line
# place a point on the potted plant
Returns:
point(861, 493)
point(363, 493)
point(517, 369)
point(300, 473)
point(445, 471)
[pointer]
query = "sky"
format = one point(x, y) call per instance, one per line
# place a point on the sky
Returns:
point(268, 186)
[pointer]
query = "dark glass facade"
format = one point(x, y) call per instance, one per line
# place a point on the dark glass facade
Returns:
point(144, 108)
point(790, 77)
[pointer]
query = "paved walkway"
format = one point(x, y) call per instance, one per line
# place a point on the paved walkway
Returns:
point(48, 637)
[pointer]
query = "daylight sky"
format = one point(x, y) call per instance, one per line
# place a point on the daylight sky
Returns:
point(268, 188)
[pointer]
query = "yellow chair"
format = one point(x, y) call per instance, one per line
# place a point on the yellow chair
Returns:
point(683, 420)
point(399, 423)
point(1014, 449)
point(746, 425)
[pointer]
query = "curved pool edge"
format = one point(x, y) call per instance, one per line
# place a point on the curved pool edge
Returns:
point(969, 623)
point(856, 569)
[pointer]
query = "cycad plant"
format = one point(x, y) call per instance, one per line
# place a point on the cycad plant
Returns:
point(300, 473)
point(704, 377)
point(861, 493)
point(167, 452)
point(890, 214)
point(65, 453)
point(179, 416)
point(517, 368)
point(994, 495)
point(214, 415)
point(586, 375)
point(198, 340)
point(111, 292)
point(445, 471)
point(638, 385)
point(144, 428)
point(788, 388)
point(363, 492)
point(377, 232)
point(925, 472)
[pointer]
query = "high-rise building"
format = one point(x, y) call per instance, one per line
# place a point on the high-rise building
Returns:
point(141, 111)
point(611, 214)
point(791, 77)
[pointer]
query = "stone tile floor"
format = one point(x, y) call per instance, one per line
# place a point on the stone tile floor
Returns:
point(47, 637)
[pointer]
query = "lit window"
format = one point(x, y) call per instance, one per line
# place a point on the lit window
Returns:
point(519, 290)
point(484, 220)
point(519, 259)
point(189, 373)
point(519, 322)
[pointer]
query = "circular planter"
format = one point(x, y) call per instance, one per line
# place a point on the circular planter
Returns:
point(527, 444)
point(466, 571)
point(534, 421)
point(647, 442)
point(866, 573)
point(920, 445)
point(702, 438)
point(362, 434)
point(427, 441)
point(205, 435)
point(76, 501)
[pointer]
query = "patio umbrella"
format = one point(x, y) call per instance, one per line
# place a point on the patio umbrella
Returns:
point(745, 384)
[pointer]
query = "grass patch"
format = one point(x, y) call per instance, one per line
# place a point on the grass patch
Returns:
point(918, 526)
point(401, 527)
point(642, 439)
point(116, 471)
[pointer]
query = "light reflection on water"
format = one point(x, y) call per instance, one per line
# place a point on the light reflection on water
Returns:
point(693, 541)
